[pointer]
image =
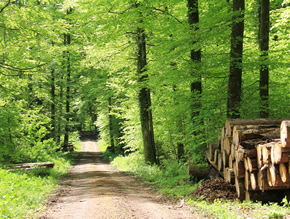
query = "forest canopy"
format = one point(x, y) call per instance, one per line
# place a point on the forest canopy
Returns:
point(153, 77)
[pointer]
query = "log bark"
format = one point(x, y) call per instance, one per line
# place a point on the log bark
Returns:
point(249, 132)
point(230, 123)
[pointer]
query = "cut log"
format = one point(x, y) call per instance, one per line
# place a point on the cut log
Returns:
point(271, 175)
point(276, 153)
point(283, 172)
point(253, 181)
point(230, 123)
point(231, 162)
point(247, 181)
point(260, 179)
point(212, 146)
point(259, 155)
point(252, 164)
point(266, 153)
point(240, 187)
point(220, 162)
point(30, 166)
point(246, 165)
point(229, 175)
point(285, 133)
point(225, 160)
point(216, 153)
point(239, 169)
point(239, 154)
point(248, 132)
point(227, 144)
point(233, 150)
point(223, 134)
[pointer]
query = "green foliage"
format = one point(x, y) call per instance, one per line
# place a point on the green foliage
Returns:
point(22, 193)
point(228, 209)
point(166, 179)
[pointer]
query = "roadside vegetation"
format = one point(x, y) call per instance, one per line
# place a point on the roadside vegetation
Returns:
point(166, 179)
point(23, 193)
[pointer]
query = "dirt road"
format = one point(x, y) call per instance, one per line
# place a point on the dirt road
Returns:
point(94, 189)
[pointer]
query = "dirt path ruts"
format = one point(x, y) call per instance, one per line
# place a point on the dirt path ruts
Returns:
point(93, 189)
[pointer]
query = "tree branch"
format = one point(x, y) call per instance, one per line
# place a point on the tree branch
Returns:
point(5, 6)
point(166, 12)
point(19, 70)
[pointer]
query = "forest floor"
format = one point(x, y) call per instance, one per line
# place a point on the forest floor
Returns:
point(94, 189)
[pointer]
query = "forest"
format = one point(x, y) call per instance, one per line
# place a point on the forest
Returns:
point(154, 77)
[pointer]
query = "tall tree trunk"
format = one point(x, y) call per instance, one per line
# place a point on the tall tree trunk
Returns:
point(145, 100)
point(236, 60)
point(111, 127)
point(67, 41)
point(264, 47)
point(67, 101)
point(53, 108)
point(195, 55)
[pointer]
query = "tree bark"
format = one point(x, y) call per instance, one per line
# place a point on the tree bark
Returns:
point(195, 55)
point(53, 109)
point(145, 100)
point(264, 69)
point(67, 41)
point(111, 126)
point(236, 60)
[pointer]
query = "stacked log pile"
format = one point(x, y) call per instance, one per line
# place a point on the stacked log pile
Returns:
point(253, 154)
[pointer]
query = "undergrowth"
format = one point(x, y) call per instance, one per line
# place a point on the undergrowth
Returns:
point(23, 193)
point(166, 180)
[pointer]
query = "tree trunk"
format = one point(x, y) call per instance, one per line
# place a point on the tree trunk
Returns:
point(112, 146)
point(195, 55)
point(236, 55)
point(67, 41)
point(264, 70)
point(145, 100)
point(53, 110)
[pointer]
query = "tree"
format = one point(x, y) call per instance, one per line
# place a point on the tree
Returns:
point(264, 47)
point(144, 97)
point(236, 60)
point(195, 55)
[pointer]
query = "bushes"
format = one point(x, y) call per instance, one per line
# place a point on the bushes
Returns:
point(166, 179)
